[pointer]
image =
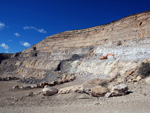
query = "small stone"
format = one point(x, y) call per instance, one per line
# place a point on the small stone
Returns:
point(134, 80)
point(87, 91)
point(129, 80)
point(107, 95)
point(65, 80)
point(46, 86)
point(43, 84)
point(22, 87)
point(138, 78)
point(15, 87)
point(30, 94)
point(33, 86)
point(52, 83)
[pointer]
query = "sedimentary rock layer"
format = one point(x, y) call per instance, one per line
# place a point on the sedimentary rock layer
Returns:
point(59, 51)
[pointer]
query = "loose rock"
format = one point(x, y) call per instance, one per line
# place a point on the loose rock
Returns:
point(99, 91)
point(15, 87)
point(49, 91)
point(87, 91)
point(138, 78)
point(119, 90)
point(30, 94)
point(71, 89)
point(107, 95)
point(41, 85)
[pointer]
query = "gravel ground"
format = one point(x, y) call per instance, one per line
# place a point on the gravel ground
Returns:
point(19, 102)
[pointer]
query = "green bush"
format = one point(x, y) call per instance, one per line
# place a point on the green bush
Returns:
point(144, 70)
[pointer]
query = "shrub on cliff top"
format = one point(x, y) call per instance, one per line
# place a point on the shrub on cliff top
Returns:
point(144, 70)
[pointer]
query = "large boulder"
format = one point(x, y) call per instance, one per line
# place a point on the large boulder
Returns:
point(49, 91)
point(71, 89)
point(119, 90)
point(99, 91)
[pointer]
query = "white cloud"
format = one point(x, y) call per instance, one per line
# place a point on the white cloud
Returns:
point(2, 25)
point(41, 30)
point(6, 51)
point(26, 44)
point(17, 34)
point(34, 28)
point(3, 45)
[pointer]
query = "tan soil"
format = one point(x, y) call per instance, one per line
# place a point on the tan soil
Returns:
point(17, 102)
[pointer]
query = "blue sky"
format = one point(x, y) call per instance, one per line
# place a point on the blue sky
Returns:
point(24, 23)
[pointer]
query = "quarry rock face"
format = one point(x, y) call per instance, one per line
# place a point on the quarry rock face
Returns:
point(78, 51)
point(4, 56)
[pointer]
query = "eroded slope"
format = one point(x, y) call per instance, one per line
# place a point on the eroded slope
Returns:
point(77, 51)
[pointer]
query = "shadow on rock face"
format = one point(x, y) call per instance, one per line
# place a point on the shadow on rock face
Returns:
point(4, 56)
point(65, 64)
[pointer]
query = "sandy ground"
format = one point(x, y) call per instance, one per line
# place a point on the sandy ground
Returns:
point(18, 102)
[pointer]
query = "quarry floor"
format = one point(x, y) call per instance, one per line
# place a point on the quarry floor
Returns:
point(18, 102)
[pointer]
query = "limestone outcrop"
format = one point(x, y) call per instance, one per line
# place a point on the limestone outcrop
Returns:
point(77, 51)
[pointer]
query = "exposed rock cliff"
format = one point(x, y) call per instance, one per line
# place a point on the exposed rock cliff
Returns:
point(77, 51)
point(4, 56)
